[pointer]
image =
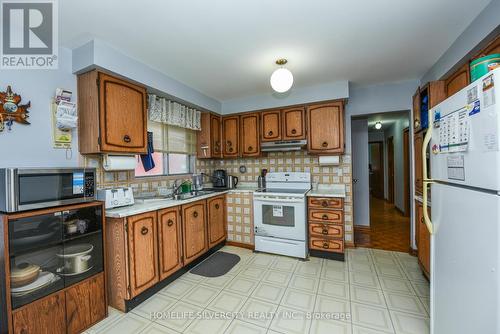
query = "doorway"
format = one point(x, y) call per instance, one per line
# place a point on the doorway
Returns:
point(379, 221)
point(390, 169)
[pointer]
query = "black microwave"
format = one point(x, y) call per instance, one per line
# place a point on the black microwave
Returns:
point(35, 188)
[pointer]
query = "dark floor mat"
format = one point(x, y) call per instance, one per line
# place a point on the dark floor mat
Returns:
point(216, 265)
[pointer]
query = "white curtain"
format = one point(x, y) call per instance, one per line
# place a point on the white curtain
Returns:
point(173, 113)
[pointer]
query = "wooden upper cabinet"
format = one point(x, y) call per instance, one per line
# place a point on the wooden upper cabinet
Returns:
point(416, 110)
point(112, 115)
point(492, 48)
point(326, 128)
point(194, 228)
point(418, 144)
point(216, 220)
point(294, 123)
point(208, 144)
point(215, 136)
point(458, 80)
point(437, 92)
point(142, 251)
point(249, 133)
point(230, 136)
point(169, 241)
point(271, 125)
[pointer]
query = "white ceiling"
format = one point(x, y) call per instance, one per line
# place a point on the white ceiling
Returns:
point(226, 48)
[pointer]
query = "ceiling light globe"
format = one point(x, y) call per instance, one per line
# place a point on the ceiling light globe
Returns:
point(281, 80)
point(378, 125)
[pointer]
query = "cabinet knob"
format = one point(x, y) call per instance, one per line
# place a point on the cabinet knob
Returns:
point(126, 138)
point(416, 124)
point(324, 217)
point(270, 133)
point(325, 245)
point(144, 230)
point(324, 204)
point(325, 144)
point(294, 131)
point(230, 149)
point(217, 206)
point(170, 222)
point(195, 214)
point(422, 220)
point(250, 148)
point(325, 231)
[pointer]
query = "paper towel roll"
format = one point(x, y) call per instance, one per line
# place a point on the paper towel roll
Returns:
point(119, 162)
point(326, 160)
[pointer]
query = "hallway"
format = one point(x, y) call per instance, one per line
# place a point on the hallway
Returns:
point(389, 229)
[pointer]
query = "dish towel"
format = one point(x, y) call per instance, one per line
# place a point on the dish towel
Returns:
point(147, 159)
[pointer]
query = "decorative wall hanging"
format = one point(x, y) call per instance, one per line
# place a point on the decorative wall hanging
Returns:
point(11, 111)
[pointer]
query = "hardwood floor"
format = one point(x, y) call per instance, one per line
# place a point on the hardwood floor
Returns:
point(389, 228)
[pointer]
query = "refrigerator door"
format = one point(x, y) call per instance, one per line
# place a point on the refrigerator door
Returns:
point(464, 147)
point(465, 261)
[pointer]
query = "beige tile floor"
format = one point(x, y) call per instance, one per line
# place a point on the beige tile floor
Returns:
point(372, 292)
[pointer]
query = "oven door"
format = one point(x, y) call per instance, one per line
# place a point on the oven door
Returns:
point(41, 188)
point(280, 217)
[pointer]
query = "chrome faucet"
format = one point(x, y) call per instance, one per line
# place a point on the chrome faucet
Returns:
point(175, 190)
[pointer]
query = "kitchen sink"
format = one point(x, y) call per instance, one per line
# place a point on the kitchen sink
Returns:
point(193, 194)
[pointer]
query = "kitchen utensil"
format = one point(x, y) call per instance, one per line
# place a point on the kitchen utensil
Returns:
point(219, 178)
point(44, 279)
point(197, 182)
point(232, 181)
point(23, 274)
point(261, 182)
point(77, 259)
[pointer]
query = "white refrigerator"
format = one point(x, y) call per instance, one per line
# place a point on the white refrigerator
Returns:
point(464, 135)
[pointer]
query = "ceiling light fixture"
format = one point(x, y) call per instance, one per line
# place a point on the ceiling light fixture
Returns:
point(282, 78)
point(378, 125)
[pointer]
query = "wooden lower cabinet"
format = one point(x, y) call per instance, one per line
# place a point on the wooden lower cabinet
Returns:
point(216, 220)
point(423, 240)
point(169, 241)
point(85, 304)
point(418, 140)
point(194, 231)
point(44, 316)
point(142, 252)
point(326, 226)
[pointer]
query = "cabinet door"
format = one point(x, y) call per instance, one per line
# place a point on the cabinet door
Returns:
point(78, 308)
point(194, 228)
point(423, 240)
point(98, 302)
point(204, 146)
point(216, 220)
point(418, 141)
point(437, 93)
point(458, 80)
point(169, 241)
point(142, 252)
point(271, 125)
point(326, 128)
point(47, 316)
point(250, 144)
point(215, 134)
point(230, 129)
point(416, 110)
point(122, 115)
point(294, 123)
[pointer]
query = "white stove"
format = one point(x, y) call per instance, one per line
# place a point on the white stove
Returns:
point(280, 214)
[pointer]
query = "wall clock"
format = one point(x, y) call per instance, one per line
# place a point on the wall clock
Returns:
point(11, 110)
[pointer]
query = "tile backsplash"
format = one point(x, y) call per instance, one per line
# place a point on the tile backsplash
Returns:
point(274, 162)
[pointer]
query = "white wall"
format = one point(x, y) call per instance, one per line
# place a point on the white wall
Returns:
point(31, 145)
point(361, 196)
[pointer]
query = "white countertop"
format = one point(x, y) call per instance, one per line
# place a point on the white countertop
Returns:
point(157, 204)
point(328, 190)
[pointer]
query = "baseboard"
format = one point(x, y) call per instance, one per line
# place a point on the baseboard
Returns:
point(240, 244)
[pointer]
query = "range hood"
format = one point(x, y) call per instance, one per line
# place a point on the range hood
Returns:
point(284, 145)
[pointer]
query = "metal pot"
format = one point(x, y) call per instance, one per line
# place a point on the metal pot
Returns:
point(232, 181)
point(77, 259)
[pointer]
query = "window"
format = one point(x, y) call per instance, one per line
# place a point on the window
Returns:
point(174, 151)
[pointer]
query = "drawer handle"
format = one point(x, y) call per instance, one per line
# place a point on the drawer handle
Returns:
point(127, 139)
point(195, 214)
point(217, 206)
point(325, 144)
point(325, 231)
point(294, 131)
point(324, 217)
point(170, 222)
point(325, 245)
point(250, 148)
point(324, 204)
point(270, 133)
point(144, 230)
